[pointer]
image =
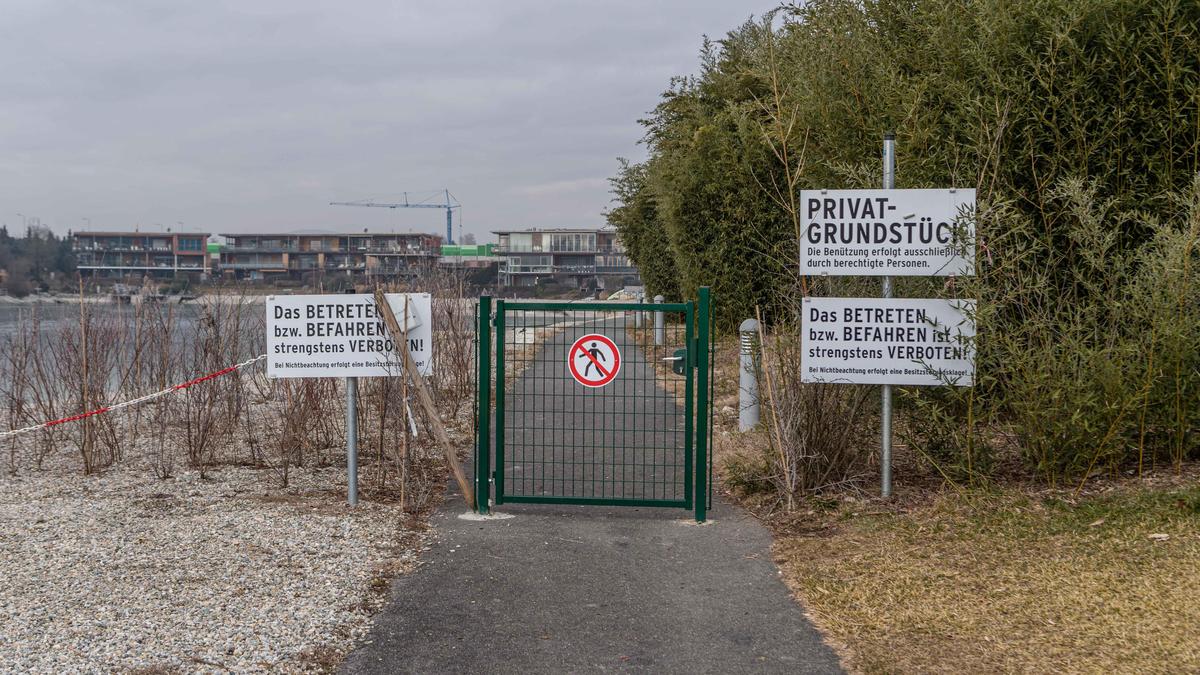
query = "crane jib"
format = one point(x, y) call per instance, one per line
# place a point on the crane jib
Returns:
point(450, 203)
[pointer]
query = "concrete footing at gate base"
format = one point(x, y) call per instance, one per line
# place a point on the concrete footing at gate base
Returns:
point(471, 515)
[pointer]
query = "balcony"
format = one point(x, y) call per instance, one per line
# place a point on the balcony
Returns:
point(252, 266)
point(575, 269)
point(596, 250)
point(129, 248)
point(133, 265)
point(393, 270)
point(397, 250)
point(247, 248)
point(113, 260)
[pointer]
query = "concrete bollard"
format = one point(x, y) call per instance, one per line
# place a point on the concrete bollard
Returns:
point(660, 329)
point(748, 375)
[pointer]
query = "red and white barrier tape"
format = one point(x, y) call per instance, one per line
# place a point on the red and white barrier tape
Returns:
point(133, 402)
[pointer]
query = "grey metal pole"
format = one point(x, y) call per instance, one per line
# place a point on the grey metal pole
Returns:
point(352, 441)
point(885, 427)
point(637, 316)
point(660, 328)
point(748, 376)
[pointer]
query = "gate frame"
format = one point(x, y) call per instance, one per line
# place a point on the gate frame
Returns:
point(697, 415)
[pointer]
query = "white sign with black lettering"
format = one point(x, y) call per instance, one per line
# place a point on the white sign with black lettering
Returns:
point(888, 341)
point(344, 336)
point(887, 232)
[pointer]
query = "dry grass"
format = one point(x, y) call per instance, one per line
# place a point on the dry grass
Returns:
point(674, 338)
point(1013, 578)
point(1007, 580)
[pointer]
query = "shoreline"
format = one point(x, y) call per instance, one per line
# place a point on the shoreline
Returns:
point(107, 299)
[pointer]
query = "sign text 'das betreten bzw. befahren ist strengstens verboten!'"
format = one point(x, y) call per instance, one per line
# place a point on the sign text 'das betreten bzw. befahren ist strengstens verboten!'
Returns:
point(904, 341)
point(887, 232)
point(345, 336)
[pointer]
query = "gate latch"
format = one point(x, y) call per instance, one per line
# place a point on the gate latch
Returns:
point(678, 362)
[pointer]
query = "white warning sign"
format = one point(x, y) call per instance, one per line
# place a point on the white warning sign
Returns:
point(887, 232)
point(888, 341)
point(344, 336)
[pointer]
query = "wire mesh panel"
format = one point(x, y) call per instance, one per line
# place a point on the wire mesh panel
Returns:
point(593, 404)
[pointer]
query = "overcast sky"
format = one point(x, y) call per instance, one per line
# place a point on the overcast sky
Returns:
point(238, 115)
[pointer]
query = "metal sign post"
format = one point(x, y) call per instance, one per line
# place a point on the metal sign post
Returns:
point(885, 426)
point(884, 340)
point(352, 441)
point(350, 336)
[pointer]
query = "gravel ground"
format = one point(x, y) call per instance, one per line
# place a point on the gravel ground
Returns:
point(126, 572)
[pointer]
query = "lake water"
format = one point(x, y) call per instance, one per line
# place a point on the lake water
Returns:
point(57, 317)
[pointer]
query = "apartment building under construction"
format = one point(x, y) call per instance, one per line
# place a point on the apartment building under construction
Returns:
point(302, 257)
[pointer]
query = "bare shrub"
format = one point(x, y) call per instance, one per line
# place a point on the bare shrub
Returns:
point(76, 368)
point(816, 432)
point(99, 355)
point(14, 387)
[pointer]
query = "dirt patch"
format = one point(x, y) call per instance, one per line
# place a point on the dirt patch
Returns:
point(320, 659)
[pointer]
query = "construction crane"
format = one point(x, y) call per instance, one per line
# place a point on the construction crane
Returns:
point(449, 203)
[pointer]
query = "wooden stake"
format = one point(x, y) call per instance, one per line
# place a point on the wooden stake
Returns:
point(404, 422)
point(424, 398)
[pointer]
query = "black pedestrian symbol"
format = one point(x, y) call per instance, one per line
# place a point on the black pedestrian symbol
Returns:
point(592, 354)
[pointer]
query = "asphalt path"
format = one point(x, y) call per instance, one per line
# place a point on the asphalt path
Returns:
point(564, 589)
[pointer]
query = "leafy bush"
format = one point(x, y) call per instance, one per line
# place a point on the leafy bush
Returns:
point(1091, 371)
point(1076, 121)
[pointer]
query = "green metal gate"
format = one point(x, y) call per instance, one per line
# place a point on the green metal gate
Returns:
point(593, 403)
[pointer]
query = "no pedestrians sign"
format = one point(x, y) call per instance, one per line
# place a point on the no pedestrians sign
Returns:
point(594, 360)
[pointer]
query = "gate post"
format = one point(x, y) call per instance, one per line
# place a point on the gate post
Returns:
point(702, 333)
point(498, 471)
point(483, 386)
point(660, 330)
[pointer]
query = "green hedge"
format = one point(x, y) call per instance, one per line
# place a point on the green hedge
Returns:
point(1078, 122)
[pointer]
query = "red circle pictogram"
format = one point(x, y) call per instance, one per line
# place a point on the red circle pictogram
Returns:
point(594, 360)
